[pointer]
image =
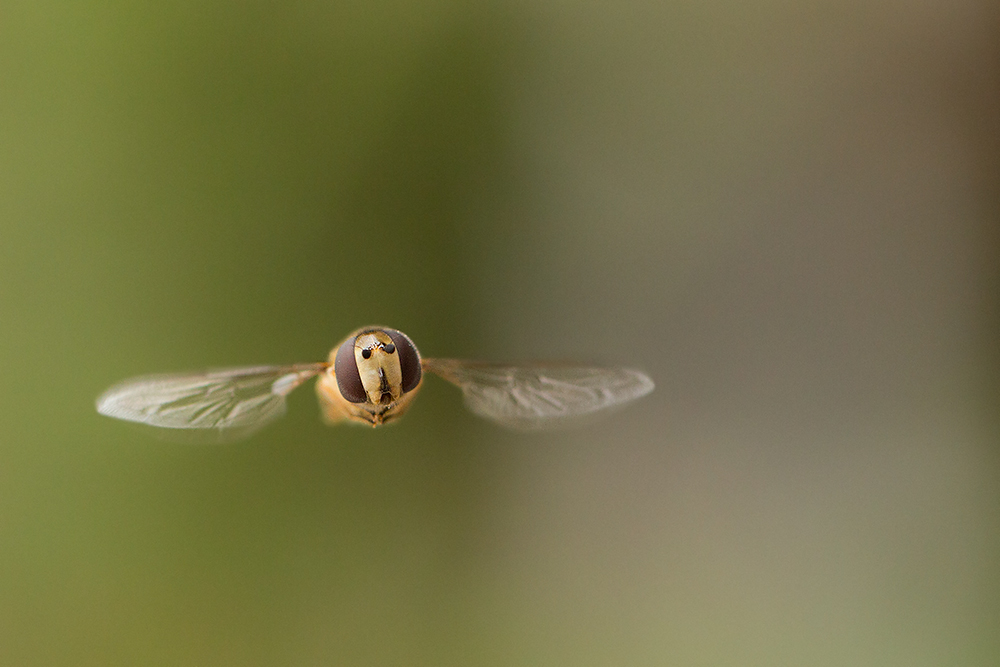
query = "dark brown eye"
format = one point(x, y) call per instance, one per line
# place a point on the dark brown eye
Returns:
point(389, 349)
point(345, 369)
point(366, 353)
point(409, 359)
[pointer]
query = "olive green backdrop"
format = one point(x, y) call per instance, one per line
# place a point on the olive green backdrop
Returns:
point(785, 212)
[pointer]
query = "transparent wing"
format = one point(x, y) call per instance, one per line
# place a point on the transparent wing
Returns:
point(233, 401)
point(539, 395)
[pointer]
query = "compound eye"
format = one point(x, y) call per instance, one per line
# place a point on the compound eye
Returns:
point(409, 358)
point(345, 369)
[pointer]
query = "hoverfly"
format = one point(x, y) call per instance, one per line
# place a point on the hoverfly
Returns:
point(371, 378)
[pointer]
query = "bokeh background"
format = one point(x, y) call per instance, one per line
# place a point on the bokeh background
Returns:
point(784, 211)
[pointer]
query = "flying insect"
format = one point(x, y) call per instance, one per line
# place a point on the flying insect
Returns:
point(370, 378)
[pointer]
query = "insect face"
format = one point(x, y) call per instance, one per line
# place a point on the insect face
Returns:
point(376, 371)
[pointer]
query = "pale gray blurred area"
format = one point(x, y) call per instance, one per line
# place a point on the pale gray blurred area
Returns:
point(788, 214)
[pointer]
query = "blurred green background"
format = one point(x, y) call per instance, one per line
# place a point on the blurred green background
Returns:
point(785, 212)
